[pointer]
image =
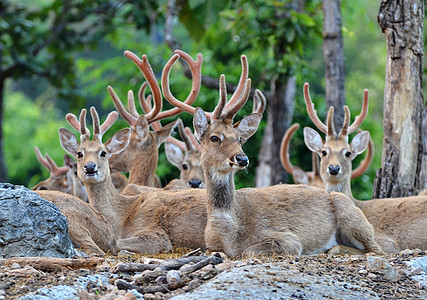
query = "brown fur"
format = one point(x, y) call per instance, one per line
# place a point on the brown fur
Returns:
point(89, 230)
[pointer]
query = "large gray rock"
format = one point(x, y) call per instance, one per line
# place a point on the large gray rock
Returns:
point(31, 225)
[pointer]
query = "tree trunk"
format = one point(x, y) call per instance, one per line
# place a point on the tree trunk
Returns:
point(402, 22)
point(423, 173)
point(333, 53)
point(280, 110)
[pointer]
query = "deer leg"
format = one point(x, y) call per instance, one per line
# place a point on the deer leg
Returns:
point(285, 243)
point(82, 240)
point(147, 242)
point(352, 224)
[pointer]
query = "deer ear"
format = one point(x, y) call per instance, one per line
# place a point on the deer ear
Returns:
point(142, 127)
point(360, 142)
point(119, 141)
point(248, 125)
point(174, 154)
point(68, 141)
point(68, 161)
point(313, 140)
point(200, 122)
point(165, 132)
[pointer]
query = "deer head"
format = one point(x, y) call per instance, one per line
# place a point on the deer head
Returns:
point(92, 155)
point(336, 154)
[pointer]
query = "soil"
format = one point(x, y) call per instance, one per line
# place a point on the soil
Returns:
point(113, 279)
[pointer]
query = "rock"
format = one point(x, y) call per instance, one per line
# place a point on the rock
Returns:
point(419, 270)
point(31, 226)
point(381, 266)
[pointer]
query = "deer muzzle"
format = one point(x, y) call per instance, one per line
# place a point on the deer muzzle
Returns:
point(90, 169)
point(334, 170)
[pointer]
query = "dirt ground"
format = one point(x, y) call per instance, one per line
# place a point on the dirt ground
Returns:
point(117, 275)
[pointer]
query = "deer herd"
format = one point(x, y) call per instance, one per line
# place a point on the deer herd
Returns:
point(108, 212)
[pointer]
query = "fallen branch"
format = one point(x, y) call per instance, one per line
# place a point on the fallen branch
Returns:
point(53, 263)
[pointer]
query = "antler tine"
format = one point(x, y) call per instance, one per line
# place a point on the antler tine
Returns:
point(192, 138)
point(330, 133)
point(96, 127)
point(55, 170)
point(84, 132)
point(231, 111)
point(120, 108)
point(344, 129)
point(360, 118)
point(242, 82)
point(186, 105)
point(109, 121)
point(216, 115)
point(131, 104)
point(259, 102)
point(72, 120)
point(42, 159)
point(284, 148)
point(188, 143)
point(146, 105)
point(311, 111)
point(148, 73)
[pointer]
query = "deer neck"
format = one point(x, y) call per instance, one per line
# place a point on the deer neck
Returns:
point(342, 187)
point(220, 189)
point(104, 197)
point(143, 168)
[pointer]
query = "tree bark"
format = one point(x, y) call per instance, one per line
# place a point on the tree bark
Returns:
point(402, 23)
point(333, 53)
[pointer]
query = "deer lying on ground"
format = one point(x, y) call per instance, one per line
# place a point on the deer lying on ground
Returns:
point(57, 180)
point(141, 156)
point(282, 219)
point(399, 223)
point(313, 178)
point(150, 222)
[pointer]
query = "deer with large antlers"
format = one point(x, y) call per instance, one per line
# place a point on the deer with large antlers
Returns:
point(313, 178)
point(287, 219)
point(150, 222)
point(399, 223)
point(141, 156)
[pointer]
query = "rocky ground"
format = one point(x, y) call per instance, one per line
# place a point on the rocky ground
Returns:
point(198, 276)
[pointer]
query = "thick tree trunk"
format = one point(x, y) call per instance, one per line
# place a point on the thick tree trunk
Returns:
point(333, 53)
point(402, 22)
point(423, 173)
point(280, 106)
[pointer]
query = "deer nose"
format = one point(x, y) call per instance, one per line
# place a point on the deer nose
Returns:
point(334, 170)
point(241, 160)
point(90, 168)
point(195, 183)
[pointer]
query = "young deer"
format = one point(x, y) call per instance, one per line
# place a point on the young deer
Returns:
point(313, 178)
point(141, 156)
point(150, 222)
point(57, 180)
point(286, 219)
point(186, 157)
point(399, 223)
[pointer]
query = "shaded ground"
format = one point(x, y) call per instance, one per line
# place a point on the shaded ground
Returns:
point(306, 277)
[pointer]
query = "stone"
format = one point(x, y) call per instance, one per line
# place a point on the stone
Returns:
point(381, 266)
point(31, 226)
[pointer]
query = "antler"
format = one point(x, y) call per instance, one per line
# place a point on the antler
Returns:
point(224, 110)
point(193, 139)
point(346, 130)
point(50, 164)
point(284, 148)
point(98, 130)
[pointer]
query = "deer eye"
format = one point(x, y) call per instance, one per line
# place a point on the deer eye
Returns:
point(348, 154)
point(103, 154)
point(214, 138)
point(324, 153)
point(184, 167)
point(79, 154)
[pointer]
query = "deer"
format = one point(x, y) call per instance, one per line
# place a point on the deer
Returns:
point(57, 180)
point(144, 143)
point(186, 155)
point(313, 178)
point(149, 222)
point(281, 219)
point(399, 223)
